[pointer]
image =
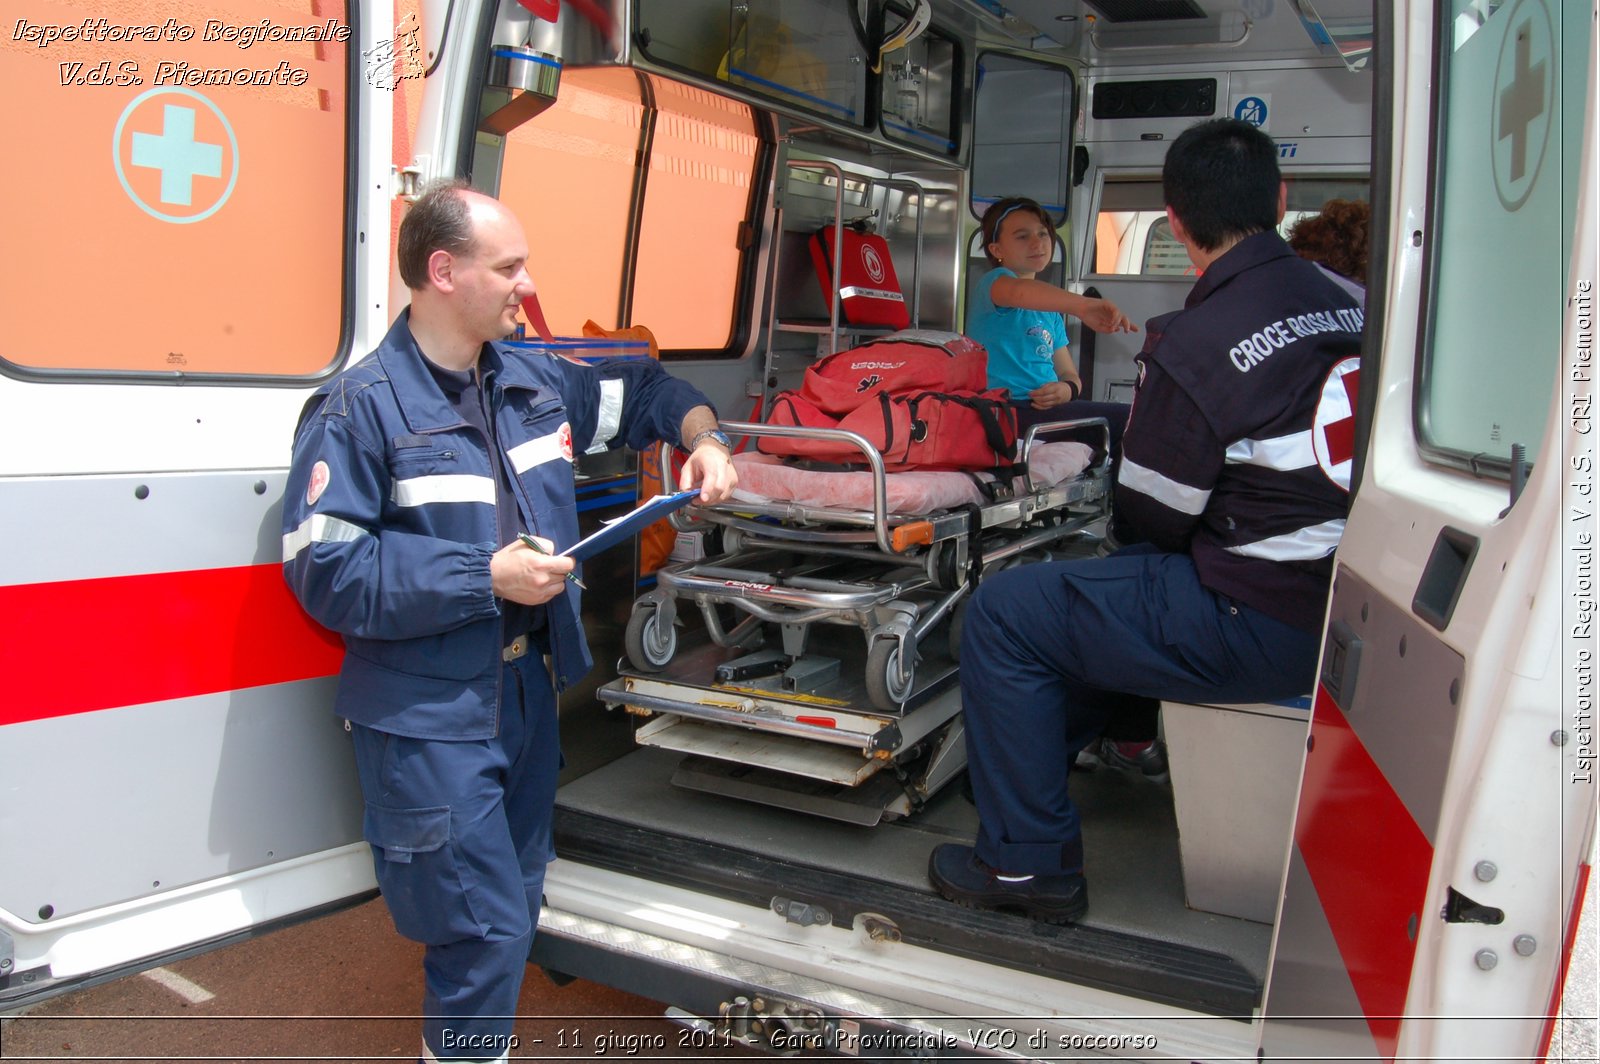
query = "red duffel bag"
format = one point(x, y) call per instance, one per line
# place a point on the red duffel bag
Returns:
point(922, 360)
point(919, 399)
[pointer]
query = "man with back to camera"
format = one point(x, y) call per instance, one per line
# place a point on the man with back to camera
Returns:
point(1236, 473)
point(414, 473)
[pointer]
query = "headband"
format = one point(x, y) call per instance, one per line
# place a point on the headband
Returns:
point(995, 232)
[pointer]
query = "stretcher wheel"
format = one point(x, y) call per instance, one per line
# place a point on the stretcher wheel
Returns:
point(649, 643)
point(958, 618)
point(890, 674)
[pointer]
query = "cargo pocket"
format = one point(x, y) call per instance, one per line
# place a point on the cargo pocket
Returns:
point(419, 873)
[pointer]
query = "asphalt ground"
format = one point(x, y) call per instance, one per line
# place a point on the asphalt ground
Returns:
point(346, 987)
point(343, 987)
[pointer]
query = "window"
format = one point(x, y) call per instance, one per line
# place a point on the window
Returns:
point(1308, 193)
point(1133, 237)
point(697, 195)
point(1163, 254)
point(206, 231)
point(1022, 133)
point(1510, 123)
point(1131, 234)
point(657, 244)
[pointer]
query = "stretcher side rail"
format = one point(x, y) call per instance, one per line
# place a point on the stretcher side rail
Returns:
point(874, 460)
point(850, 551)
point(1036, 434)
point(738, 580)
point(794, 518)
point(944, 525)
point(729, 585)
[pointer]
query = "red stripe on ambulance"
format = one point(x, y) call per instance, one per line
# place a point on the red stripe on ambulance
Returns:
point(83, 645)
point(1369, 863)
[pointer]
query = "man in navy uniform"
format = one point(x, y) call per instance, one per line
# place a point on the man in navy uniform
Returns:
point(415, 472)
point(1235, 474)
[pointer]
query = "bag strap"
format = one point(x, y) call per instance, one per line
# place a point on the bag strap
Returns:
point(974, 514)
point(535, 313)
point(994, 490)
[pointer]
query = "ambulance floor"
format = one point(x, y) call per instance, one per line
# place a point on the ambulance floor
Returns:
point(1130, 839)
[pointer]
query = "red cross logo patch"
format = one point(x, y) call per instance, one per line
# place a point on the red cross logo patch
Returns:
point(318, 483)
point(1333, 435)
point(872, 263)
point(564, 440)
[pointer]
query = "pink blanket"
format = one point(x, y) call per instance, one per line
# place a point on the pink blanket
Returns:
point(764, 477)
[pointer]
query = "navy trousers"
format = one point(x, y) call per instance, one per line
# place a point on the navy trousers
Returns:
point(1048, 654)
point(461, 834)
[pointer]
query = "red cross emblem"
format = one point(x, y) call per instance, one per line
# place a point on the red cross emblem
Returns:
point(1333, 436)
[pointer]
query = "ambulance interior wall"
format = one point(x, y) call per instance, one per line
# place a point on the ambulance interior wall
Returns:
point(1318, 112)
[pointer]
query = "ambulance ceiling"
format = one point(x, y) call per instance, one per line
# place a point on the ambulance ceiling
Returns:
point(1100, 30)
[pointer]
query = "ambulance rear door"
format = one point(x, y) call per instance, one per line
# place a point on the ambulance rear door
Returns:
point(198, 233)
point(1447, 812)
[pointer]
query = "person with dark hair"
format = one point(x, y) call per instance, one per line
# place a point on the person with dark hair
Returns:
point(1336, 240)
point(1234, 478)
point(1020, 321)
point(429, 496)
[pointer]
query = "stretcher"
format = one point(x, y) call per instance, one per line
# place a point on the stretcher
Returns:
point(830, 605)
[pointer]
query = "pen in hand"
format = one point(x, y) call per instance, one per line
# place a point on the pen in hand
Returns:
point(536, 545)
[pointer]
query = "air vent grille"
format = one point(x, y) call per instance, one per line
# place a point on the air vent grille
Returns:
point(1174, 98)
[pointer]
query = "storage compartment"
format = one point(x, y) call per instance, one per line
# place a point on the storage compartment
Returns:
point(1235, 775)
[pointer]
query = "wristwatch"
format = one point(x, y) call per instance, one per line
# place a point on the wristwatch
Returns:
point(714, 435)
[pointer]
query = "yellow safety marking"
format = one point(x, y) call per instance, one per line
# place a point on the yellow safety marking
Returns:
point(774, 696)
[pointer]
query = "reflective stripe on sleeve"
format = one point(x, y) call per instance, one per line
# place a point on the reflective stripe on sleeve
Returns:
point(1284, 453)
point(444, 487)
point(541, 449)
point(1306, 544)
point(610, 415)
point(319, 528)
point(1162, 488)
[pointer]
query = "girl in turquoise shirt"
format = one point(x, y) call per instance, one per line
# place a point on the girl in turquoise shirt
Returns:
point(1021, 322)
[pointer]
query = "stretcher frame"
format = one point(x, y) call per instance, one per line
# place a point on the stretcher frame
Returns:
point(837, 719)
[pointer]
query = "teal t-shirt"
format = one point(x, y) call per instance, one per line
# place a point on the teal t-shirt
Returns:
point(1021, 343)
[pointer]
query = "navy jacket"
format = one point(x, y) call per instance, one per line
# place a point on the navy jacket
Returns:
point(1238, 448)
point(389, 520)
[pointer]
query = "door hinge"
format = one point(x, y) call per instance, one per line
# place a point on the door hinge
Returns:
point(408, 181)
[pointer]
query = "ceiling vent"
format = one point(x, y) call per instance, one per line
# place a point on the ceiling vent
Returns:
point(1147, 10)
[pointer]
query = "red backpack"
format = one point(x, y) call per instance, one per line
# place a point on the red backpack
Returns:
point(919, 397)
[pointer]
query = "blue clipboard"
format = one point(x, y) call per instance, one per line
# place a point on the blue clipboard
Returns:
point(618, 529)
